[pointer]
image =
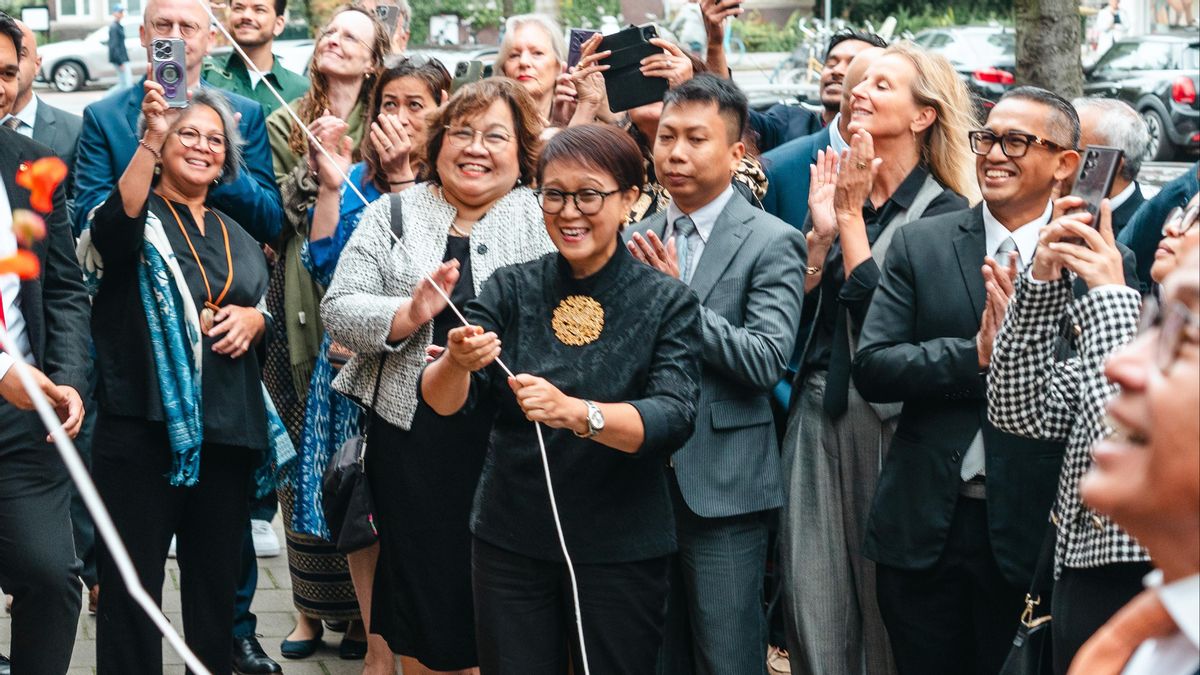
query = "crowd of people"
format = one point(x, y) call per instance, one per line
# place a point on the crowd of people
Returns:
point(730, 390)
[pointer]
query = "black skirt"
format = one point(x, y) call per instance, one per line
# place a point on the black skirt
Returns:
point(424, 481)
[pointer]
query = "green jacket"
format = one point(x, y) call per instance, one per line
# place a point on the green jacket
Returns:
point(232, 75)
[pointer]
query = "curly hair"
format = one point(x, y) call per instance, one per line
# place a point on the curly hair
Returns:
point(316, 100)
point(477, 97)
point(436, 79)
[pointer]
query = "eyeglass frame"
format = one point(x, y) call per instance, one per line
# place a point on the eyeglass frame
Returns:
point(346, 35)
point(186, 30)
point(1188, 216)
point(541, 197)
point(1030, 139)
point(1172, 320)
point(207, 140)
point(475, 134)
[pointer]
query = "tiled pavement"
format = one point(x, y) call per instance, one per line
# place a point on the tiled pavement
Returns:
point(272, 605)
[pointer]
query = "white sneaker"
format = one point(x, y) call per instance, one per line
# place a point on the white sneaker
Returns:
point(266, 542)
point(171, 549)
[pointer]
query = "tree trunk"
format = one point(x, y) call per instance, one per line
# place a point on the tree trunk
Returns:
point(1048, 44)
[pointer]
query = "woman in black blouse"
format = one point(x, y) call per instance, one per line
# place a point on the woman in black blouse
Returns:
point(604, 351)
point(177, 442)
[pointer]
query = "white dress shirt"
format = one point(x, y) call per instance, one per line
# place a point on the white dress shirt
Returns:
point(1122, 196)
point(1026, 239)
point(27, 115)
point(10, 289)
point(705, 219)
point(835, 136)
point(1178, 653)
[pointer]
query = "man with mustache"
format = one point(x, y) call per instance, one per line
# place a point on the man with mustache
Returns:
point(254, 25)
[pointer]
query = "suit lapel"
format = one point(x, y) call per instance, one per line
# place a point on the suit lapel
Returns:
point(728, 235)
point(970, 245)
point(45, 130)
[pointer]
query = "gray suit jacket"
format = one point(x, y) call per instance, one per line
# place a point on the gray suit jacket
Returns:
point(750, 281)
point(59, 130)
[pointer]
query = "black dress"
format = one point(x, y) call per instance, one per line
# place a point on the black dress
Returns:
point(423, 481)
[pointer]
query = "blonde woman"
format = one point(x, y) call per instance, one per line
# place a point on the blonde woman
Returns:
point(907, 158)
point(534, 53)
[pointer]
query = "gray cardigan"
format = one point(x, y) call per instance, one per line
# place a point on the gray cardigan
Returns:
point(374, 277)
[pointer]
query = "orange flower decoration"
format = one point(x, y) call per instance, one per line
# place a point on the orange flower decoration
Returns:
point(41, 178)
point(28, 227)
point(22, 263)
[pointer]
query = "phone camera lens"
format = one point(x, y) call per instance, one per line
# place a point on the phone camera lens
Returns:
point(168, 73)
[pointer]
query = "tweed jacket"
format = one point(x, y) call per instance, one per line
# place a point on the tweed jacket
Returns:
point(374, 277)
point(1034, 392)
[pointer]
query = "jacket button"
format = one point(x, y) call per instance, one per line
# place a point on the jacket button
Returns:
point(1097, 522)
point(481, 249)
point(1077, 330)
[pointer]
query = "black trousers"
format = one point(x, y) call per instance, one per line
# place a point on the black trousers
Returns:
point(37, 555)
point(1084, 599)
point(525, 622)
point(959, 616)
point(131, 458)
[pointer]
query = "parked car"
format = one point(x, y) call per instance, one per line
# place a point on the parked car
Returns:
point(984, 56)
point(1158, 75)
point(72, 64)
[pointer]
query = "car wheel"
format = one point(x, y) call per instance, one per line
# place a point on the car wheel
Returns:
point(69, 76)
point(1160, 147)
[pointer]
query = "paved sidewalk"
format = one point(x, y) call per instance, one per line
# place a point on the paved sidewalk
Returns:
point(272, 605)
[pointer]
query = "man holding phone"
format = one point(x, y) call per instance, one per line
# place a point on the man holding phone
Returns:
point(254, 25)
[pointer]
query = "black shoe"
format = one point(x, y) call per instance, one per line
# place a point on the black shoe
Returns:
point(338, 626)
point(5, 665)
point(250, 659)
point(301, 649)
point(352, 650)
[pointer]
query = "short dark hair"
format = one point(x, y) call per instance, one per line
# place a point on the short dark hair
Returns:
point(731, 103)
point(1064, 120)
point(599, 146)
point(280, 7)
point(9, 27)
point(476, 97)
point(847, 34)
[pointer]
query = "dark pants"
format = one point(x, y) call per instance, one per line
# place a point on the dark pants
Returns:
point(131, 458)
point(959, 616)
point(245, 623)
point(1084, 599)
point(37, 555)
point(525, 622)
point(716, 621)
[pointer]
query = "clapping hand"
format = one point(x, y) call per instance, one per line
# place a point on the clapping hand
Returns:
point(821, 188)
point(856, 176)
point(393, 143)
point(427, 302)
point(650, 250)
point(331, 132)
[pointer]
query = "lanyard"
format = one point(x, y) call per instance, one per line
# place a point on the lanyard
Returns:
point(211, 304)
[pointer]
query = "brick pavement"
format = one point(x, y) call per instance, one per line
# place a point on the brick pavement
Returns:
point(272, 605)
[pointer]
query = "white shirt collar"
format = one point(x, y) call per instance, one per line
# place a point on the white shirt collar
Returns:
point(835, 135)
point(1025, 236)
point(1123, 196)
point(1182, 600)
point(704, 217)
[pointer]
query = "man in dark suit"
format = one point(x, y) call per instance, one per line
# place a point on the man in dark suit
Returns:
point(1111, 122)
point(47, 319)
point(110, 134)
point(1144, 230)
point(960, 512)
point(747, 269)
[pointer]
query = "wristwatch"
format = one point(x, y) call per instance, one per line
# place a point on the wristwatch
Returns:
point(595, 420)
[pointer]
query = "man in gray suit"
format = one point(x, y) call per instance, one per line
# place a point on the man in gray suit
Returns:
point(747, 267)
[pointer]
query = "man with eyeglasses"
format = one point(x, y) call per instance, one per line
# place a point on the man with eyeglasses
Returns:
point(110, 131)
point(254, 25)
point(960, 510)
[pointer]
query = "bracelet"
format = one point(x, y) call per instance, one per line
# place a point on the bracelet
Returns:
point(402, 182)
point(812, 271)
point(157, 153)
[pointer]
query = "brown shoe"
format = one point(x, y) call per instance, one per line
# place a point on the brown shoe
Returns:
point(93, 598)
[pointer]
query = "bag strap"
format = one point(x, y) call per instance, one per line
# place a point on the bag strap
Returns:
point(398, 230)
point(1043, 581)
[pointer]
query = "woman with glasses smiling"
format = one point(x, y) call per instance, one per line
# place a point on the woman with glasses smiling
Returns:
point(473, 216)
point(349, 51)
point(183, 428)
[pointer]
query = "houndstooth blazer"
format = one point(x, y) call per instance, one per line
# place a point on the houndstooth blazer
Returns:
point(1038, 391)
point(373, 277)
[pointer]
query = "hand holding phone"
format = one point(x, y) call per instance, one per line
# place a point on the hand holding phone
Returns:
point(168, 67)
point(626, 84)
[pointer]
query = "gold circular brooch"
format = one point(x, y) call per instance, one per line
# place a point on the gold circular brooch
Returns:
point(578, 320)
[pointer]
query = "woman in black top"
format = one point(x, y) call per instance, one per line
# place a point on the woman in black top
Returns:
point(604, 351)
point(177, 442)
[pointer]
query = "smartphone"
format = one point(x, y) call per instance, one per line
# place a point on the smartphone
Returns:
point(1093, 182)
point(389, 16)
point(168, 67)
point(467, 72)
point(623, 81)
point(575, 39)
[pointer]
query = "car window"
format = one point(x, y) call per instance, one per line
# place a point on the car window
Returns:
point(1190, 58)
point(1150, 55)
point(993, 48)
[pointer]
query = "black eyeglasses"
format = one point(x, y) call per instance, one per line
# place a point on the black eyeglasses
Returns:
point(1181, 219)
point(190, 137)
point(1173, 321)
point(588, 202)
point(1013, 144)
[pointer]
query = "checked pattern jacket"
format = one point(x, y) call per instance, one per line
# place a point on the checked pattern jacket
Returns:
point(1047, 381)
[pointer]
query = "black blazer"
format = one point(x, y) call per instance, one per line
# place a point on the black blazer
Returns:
point(1121, 216)
point(55, 305)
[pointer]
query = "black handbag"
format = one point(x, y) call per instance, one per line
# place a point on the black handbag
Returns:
point(345, 494)
point(1031, 649)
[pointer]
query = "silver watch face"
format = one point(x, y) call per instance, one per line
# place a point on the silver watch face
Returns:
point(595, 418)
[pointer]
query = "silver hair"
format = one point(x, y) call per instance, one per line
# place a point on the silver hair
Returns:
point(405, 14)
point(218, 103)
point(1122, 128)
point(548, 25)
